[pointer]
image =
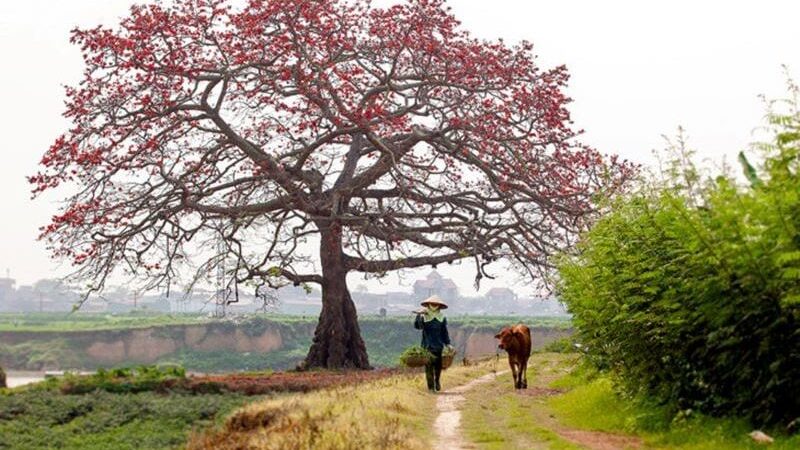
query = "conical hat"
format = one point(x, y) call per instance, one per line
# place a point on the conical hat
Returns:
point(434, 300)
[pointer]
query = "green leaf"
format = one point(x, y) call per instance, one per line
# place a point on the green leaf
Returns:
point(749, 171)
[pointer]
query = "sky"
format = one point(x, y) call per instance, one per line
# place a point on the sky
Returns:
point(639, 70)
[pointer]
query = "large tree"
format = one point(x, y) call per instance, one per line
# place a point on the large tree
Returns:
point(390, 136)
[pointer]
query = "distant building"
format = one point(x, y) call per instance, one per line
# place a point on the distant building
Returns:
point(7, 284)
point(434, 284)
point(296, 300)
point(502, 301)
point(367, 303)
point(94, 305)
point(545, 306)
point(25, 293)
point(501, 295)
point(312, 307)
point(6, 289)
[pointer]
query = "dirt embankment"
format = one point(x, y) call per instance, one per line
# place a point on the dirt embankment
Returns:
point(148, 345)
point(59, 350)
point(474, 343)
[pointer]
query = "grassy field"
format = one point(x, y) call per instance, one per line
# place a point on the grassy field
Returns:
point(63, 322)
point(498, 417)
point(44, 419)
point(395, 413)
point(592, 404)
point(152, 408)
point(567, 406)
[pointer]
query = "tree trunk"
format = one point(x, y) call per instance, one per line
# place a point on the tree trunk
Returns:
point(337, 339)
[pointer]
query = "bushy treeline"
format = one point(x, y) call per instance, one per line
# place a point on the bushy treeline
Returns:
point(689, 290)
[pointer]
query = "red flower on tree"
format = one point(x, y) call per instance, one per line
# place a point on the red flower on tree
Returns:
point(389, 132)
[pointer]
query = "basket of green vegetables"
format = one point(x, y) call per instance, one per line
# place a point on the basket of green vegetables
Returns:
point(415, 356)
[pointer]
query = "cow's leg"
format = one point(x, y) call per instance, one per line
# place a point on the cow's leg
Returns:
point(513, 365)
point(518, 374)
point(524, 370)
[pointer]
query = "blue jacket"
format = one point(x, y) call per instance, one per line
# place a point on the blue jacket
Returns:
point(434, 333)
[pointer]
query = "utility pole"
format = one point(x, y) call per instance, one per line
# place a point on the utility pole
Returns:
point(220, 298)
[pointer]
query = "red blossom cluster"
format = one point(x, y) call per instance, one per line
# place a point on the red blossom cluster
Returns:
point(255, 384)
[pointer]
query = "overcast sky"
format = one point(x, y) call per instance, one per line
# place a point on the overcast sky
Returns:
point(639, 70)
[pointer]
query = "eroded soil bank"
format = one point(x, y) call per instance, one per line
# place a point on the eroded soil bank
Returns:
point(234, 345)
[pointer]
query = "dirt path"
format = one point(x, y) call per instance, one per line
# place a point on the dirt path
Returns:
point(543, 375)
point(448, 422)
point(592, 440)
point(500, 417)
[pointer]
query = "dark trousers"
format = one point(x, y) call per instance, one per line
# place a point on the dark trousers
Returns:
point(433, 370)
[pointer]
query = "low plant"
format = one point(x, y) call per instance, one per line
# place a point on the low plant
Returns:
point(562, 345)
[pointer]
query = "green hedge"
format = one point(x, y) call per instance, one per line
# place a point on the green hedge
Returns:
point(690, 292)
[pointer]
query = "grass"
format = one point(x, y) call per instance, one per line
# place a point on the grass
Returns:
point(565, 404)
point(225, 360)
point(496, 416)
point(130, 408)
point(593, 404)
point(503, 419)
point(568, 405)
point(495, 323)
point(395, 413)
point(63, 322)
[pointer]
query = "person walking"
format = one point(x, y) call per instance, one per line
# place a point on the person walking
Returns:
point(434, 337)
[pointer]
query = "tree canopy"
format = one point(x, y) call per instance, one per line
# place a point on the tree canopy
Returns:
point(389, 133)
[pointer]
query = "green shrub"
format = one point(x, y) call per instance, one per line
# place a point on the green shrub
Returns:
point(123, 380)
point(43, 419)
point(40, 355)
point(226, 360)
point(690, 291)
point(562, 345)
point(256, 326)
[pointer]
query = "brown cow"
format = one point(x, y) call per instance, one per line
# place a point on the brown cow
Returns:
point(516, 341)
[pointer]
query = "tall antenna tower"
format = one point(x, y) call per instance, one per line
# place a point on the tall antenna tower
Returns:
point(221, 296)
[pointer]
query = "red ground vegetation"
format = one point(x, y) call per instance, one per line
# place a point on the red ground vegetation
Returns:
point(257, 384)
